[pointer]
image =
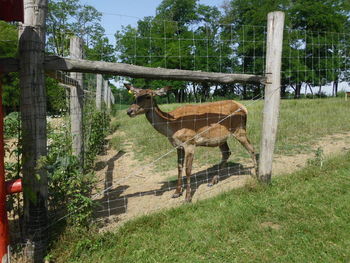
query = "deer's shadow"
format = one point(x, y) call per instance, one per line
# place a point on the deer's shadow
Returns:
point(114, 202)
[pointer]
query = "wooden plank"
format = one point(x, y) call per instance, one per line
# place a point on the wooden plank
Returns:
point(275, 26)
point(76, 103)
point(99, 82)
point(34, 137)
point(121, 69)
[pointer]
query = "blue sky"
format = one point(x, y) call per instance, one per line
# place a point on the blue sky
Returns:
point(122, 12)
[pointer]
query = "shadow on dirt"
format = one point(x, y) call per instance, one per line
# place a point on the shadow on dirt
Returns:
point(115, 203)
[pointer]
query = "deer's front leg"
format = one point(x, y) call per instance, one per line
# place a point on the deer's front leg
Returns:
point(189, 154)
point(180, 165)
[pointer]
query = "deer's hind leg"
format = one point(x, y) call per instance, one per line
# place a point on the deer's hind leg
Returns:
point(189, 154)
point(180, 165)
point(241, 136)
point(225, 151)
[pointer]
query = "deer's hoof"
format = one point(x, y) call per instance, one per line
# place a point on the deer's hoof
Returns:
point(188, 200)
point(176, 195)
point(215, 180)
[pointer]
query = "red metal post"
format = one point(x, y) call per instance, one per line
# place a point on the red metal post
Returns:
point(4, 229)
point(13, 186)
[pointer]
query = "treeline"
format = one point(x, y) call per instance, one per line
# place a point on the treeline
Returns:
point(188, 35)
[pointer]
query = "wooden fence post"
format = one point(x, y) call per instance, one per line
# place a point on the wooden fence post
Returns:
point(34, 137)
point(76, 102)
point(108, 98)
point(275, 26)
point(105, 88)
point(99, 81)
point(112, 98)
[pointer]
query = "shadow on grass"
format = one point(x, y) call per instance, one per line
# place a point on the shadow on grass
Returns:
point(115, 203)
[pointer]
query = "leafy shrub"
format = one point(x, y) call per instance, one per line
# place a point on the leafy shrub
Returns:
point(96, 128)
point(69, 188)
point(12, 125)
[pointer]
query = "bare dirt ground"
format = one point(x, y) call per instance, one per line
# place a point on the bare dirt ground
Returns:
point(127, 190)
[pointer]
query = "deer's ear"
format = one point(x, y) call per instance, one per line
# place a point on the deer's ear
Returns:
point(131, 89)
point(162, 91)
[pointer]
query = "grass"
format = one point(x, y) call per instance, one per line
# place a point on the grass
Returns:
point(303, 217)
point(302, 123)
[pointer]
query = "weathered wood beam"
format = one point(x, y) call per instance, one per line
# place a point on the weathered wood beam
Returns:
point(275, 26)
point(77, 103)
point(53, 63)
point(121, 69)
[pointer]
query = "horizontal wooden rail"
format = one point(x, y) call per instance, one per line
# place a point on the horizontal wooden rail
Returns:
point(53, 63)
point(63, 78)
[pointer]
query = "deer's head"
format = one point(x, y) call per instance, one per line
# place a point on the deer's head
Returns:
point(143, 99)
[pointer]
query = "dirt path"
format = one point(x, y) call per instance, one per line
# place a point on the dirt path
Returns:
point(125, 192)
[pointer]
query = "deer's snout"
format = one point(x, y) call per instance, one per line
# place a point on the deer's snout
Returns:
point(130, 112)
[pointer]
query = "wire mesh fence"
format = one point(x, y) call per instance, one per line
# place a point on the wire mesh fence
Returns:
point(139, 172)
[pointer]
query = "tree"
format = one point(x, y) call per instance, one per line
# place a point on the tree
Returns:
point(313, 56)
point(322, 43)
point(180, 36)
point(70, 18)
point(8, 48)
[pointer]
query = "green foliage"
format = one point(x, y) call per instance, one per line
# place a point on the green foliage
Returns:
point(12, 125)
point(71, 18)
point(167, 41)
point(302, 217)
point(8, 48)
point(314, 39)
point(341, 94)
point(69, 187)
point(8, 40)
point(96, 126)
point(56, 97)
point(318, 159)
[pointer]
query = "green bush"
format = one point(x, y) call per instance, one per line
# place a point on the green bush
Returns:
point(69, 188)
point(12, 125)
point(96, 129)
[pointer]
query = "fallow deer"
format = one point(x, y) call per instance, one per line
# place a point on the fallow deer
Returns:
point(208, 124)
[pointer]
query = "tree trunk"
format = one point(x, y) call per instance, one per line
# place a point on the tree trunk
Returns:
point(283, 91)
point(335, 88)
point(297, 91)
point(244, 91)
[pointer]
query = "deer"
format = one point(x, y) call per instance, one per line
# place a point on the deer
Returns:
point(186, 127)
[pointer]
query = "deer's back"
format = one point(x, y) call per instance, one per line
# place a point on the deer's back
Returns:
point(225, 107)
point(214, 121)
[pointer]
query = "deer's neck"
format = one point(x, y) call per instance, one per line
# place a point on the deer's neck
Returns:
point(160, 120)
